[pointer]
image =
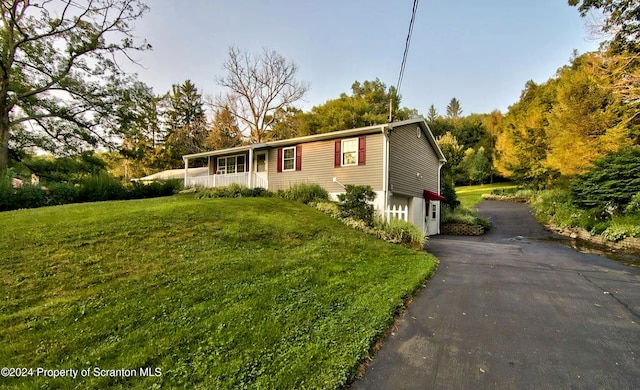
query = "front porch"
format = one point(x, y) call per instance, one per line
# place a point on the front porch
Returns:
point(244, 165)
point(247, 179)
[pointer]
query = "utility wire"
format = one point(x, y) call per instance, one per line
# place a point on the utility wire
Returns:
point(406, 47)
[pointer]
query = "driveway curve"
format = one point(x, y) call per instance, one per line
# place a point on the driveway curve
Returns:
point(515, 309)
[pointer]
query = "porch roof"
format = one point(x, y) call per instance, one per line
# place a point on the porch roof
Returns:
point(218, 152)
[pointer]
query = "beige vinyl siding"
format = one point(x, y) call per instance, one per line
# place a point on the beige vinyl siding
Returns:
point(318, 167)
point(408, 156)
point(399, 201)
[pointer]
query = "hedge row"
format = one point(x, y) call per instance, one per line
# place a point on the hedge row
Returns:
point(100, 187)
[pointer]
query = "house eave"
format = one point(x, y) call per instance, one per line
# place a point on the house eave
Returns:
point(219, 152)
point(326, 136)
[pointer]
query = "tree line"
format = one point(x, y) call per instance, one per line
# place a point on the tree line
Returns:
point(75, 100)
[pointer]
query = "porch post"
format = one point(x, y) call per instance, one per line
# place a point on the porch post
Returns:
point(250, 162)
point(186, 171)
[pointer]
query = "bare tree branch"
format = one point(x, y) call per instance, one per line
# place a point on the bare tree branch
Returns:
point(260, 89)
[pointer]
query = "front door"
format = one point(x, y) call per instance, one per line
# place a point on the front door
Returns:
point(260, 168)
point(433, 222)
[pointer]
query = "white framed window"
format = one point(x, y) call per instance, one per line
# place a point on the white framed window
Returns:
point(231, 164)
point(289, 159)
point(349, 150)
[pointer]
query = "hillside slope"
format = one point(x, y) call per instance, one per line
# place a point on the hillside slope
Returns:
point(212, 293)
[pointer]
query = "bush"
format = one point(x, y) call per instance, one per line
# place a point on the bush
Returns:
point(329, 208)
point(305, 193)
point(612, 182)
point(6, 190)
point(100, 187)
point(138, 190)
point(401, 232)
point(62, 193)
point(448, 191)
point(463, 215)
point(555, 206)
point(355, 203)
point(231, 191)
point(458, 215)
point(28, 197)
point(634, 205)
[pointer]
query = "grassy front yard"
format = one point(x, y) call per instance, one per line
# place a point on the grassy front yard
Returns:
point(216, 293)
point(470, 196)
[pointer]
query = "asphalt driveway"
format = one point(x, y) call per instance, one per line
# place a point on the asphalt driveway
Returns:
point(515, 309)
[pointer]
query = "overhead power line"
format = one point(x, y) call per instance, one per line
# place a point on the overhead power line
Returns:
point(406, 47)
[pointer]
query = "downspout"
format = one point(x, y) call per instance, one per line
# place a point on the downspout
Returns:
point(439, 185)
point(385, 168)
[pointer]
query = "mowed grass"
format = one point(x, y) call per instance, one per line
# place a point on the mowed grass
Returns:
point(216, 293)
point(470, 196)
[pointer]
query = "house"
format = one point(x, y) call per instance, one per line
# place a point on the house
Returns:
point(401, 161)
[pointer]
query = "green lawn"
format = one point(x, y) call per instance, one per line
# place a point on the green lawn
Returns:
point(215, 293)
point(470, 196)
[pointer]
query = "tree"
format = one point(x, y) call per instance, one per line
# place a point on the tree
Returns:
point(186, 124)
point(522, 143)
point(612, 181)
point(478, 165)
point(225, 132)
point(622, 20)
point(432, 114)
point(454, 111)
point(367, 105)
point(585, 122)
point(59, 76)
point(260, 88)
point(454, 153)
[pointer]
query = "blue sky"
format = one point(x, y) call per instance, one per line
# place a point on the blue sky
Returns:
point(481, 52)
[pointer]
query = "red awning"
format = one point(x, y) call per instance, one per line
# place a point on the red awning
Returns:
point(430, 195)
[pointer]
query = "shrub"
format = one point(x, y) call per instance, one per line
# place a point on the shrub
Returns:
point(555, 206)
point(355, 203)
point(448, 191)
point(511, 194)
point(401, 232)
point(458, 215)
point(329, 208)
point(6, 190)
point(612, 181)
point(101, 186)
point(231, 191)
point(27, 197)
point(138, 190)
point(618, 231)
point(634, 205)
point(463, 215)
point(305, 193)
point(61, 193)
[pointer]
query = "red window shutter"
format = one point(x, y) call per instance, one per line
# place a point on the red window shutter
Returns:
point(298, 157)
point(338, 154)
point(362, 150)
point(215, 166)
point(279, 159)
point(246, 162)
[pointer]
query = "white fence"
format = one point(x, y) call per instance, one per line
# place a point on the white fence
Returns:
point(397, 212)
point(225, 180)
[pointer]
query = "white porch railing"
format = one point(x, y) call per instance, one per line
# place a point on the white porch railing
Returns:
point(397, 212)
point(225, 180)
